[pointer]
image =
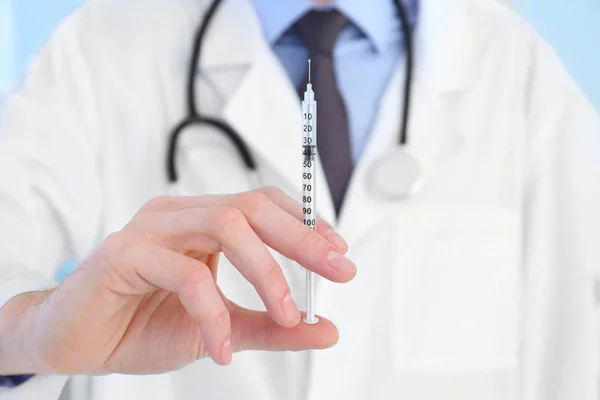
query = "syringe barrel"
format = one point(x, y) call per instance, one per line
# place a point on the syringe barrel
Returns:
point(309, 159)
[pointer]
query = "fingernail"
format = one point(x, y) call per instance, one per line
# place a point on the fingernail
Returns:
point(339, 262)
point(337, 240)
point(226, 352)
point(289, 308)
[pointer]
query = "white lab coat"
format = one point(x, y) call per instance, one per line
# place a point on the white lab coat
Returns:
point(478, 287)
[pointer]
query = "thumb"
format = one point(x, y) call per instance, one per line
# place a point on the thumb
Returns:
point(254, 330)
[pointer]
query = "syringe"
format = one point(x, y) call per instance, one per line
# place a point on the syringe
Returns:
point(309, 153)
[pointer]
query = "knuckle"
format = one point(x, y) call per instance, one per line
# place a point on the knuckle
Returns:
point(269, 280)
point(227, 220)
point(114, 239)
point(222, 321)
point(311, 240)
point(197, 275)
point(145, 226)
point(116, 244)
point(271, 191)
point(130, 255)
point(273, 276)
point(159, 203)
point(121, 262)
point(255, 201)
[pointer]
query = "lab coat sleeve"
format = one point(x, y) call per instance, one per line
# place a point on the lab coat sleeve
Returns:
point(50, 197)
point(561, 235)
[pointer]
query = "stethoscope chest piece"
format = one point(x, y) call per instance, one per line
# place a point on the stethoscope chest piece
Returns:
point(395, 176)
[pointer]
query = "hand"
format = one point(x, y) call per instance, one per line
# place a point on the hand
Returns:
point(146, 300)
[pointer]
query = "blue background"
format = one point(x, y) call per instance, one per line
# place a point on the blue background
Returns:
point(571, 26)
point(34, 22)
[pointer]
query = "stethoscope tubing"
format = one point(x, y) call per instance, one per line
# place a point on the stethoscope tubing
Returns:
point(194, 117)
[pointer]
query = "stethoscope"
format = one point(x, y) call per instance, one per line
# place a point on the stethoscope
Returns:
point(394, 176)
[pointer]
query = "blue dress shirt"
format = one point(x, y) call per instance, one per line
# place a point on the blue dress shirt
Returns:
point(365, 56)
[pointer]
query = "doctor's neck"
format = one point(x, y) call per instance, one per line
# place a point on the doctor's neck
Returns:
point(321, 2)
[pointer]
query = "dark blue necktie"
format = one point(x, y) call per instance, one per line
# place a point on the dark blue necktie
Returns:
point(319, 31)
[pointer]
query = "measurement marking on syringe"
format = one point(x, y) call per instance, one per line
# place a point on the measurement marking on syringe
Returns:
point(309, 158)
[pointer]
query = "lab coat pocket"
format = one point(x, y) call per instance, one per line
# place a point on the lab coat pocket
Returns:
point(208, 163)
point(456, 290)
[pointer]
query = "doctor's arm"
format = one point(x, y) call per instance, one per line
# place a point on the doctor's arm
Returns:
point(149, 285)
point(49, 209)
point(562, 236)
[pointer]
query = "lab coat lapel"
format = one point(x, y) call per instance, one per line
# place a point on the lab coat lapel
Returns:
point(444, 49)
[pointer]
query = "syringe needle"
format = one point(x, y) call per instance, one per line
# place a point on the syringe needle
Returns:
point(309, 68)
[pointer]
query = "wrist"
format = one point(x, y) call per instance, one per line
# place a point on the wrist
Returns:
point(17, 344)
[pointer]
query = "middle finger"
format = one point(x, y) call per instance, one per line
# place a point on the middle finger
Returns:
point(286, 234)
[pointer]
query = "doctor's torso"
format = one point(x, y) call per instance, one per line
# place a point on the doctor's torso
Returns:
point(434, 311)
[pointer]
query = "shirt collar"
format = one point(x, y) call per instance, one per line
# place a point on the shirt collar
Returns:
point(376, 18)
point(277, 16)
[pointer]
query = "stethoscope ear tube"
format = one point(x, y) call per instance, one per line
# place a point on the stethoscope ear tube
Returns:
point(243, 150)
point(172, 150)
point(408, 44)
point(194, 117)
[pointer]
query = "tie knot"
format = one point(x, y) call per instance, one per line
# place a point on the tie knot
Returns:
point(319, 30)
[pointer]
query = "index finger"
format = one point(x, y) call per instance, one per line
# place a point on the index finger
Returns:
point(277, 196)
